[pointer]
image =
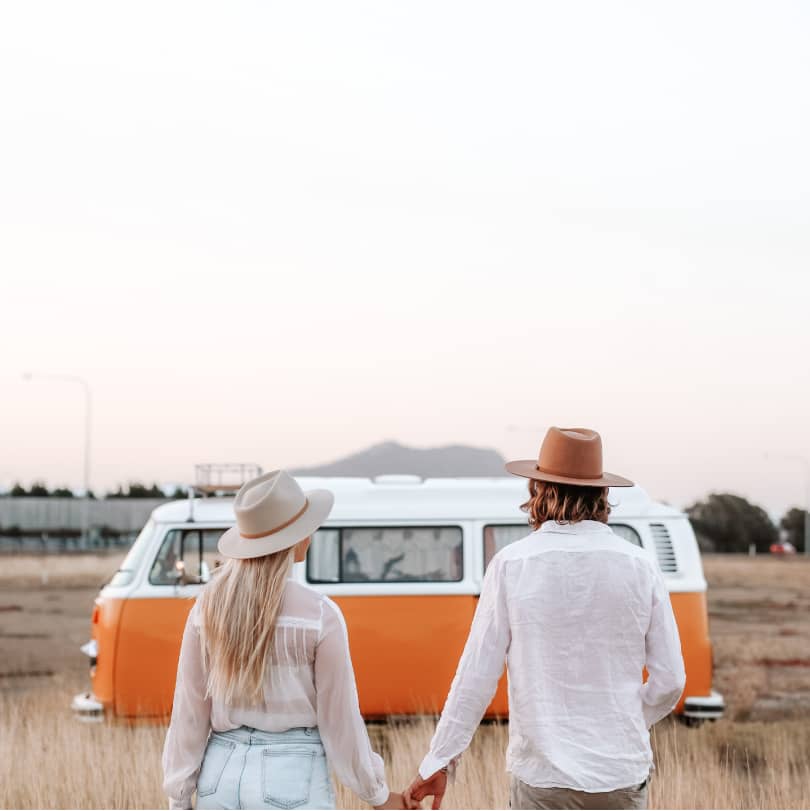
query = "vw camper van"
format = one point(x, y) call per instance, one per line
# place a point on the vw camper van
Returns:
point(403, 557)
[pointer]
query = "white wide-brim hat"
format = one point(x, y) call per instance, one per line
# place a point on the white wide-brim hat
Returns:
point(273, 513)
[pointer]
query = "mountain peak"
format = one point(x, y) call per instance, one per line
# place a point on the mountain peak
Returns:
point(391, 457)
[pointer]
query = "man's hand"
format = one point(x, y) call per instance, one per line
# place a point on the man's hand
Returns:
point(434, 786)
point(394, 800)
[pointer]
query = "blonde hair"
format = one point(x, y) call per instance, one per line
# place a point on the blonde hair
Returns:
point(565, 503)
point(238, 613)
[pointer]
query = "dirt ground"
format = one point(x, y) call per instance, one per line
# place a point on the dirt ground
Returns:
point(759, 615)
point(754, 758)
point(45, 608)
point(759, 622)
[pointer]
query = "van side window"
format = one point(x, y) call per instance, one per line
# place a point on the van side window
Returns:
point(186, 556)
point(628, 533)
point(497, 536)
point(386, 555)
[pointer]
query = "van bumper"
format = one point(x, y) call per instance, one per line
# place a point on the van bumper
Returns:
point(707, 708)
point(87, 707)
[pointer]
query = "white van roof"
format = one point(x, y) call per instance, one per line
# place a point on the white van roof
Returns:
point(409, 498)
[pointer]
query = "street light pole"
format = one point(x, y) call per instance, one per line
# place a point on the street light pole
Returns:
point(88, 416)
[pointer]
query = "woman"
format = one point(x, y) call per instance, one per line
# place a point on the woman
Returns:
point(265, 701)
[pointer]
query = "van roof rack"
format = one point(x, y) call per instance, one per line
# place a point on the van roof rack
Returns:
point(223, 477)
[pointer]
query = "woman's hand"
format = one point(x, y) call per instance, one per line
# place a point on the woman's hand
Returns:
point(434, 786)
point(395, 800)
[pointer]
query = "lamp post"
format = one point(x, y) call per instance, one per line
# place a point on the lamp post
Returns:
point(805, 465)
point(88, 410)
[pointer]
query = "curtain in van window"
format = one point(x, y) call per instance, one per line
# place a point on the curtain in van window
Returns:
point(323, 558)
point(386, 554)
point(498, 537)
point(402, 554)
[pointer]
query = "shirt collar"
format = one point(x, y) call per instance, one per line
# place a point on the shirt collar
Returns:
point(577, 528)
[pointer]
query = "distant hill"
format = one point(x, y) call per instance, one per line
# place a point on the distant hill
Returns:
point(391, 457)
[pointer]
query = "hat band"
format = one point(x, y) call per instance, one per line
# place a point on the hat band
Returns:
point(567, 474)
point(281, 526)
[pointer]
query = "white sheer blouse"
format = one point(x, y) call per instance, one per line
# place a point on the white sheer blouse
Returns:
point(310, 683)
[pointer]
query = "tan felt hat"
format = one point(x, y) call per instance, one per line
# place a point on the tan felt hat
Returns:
point(569, 456)
point(273, 513)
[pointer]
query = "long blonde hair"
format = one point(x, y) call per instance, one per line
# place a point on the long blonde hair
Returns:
point(238, 613)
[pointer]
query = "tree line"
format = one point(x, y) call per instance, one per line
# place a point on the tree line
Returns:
point(131, 490)
point(724, 522)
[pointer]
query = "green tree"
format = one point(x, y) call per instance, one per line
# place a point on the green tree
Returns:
point(39, 489)
point(793, 524)
point(137, 490)
point(724, 522)
point(62, 492)
point(18, 491)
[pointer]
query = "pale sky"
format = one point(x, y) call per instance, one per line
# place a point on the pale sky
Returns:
point(280, 232)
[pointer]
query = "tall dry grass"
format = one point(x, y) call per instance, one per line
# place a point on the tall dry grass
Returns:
point(50, 760)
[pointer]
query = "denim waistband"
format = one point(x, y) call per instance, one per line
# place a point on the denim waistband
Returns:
point(250, 735)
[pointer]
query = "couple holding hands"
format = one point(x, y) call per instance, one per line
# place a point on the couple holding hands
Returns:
point(266, 706)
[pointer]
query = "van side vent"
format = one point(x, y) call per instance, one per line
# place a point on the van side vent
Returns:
point(664, 550)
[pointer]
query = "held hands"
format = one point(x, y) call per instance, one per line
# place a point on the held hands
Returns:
point(434, 786)
point(395, 800)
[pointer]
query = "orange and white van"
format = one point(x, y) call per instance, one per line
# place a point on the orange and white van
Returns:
point(404, 558)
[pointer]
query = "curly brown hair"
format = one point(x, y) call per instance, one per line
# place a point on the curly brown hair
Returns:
point(565, 503)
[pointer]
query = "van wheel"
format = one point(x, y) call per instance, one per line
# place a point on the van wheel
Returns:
point(690, 722)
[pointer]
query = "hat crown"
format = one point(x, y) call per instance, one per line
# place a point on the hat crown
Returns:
point(267, 503)
point(571, 452)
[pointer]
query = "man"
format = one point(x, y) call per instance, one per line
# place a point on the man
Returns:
point(576, 612)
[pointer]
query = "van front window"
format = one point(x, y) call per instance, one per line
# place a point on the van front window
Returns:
point(132, 562)
point(186, 557)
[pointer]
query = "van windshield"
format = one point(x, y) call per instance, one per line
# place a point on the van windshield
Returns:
point(132, 562)
point(187, 556)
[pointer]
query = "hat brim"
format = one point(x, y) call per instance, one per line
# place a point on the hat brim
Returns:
point(528, 469)
point(234, 545)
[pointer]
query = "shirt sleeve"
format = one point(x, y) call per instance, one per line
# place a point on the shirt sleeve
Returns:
point(666, 675)
point(479, 670)
point(340, 723)
point(187, 736)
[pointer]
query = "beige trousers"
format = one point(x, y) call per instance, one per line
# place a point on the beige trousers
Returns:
point(522, 795)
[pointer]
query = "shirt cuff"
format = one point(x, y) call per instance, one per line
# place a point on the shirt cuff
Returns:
point(380, 797)
point(430, 765)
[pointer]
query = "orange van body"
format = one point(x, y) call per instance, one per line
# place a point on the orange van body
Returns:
point(397, 672)
point(406, 639)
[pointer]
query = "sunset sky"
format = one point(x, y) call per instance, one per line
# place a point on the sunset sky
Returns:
point(281, 232)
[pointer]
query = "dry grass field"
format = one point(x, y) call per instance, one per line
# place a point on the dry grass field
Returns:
point(755, 758)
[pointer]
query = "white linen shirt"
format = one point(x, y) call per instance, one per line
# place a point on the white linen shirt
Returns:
point(576, 612)
point(310, 683)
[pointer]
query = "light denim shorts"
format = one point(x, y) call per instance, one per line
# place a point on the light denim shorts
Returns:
point(247, 768)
